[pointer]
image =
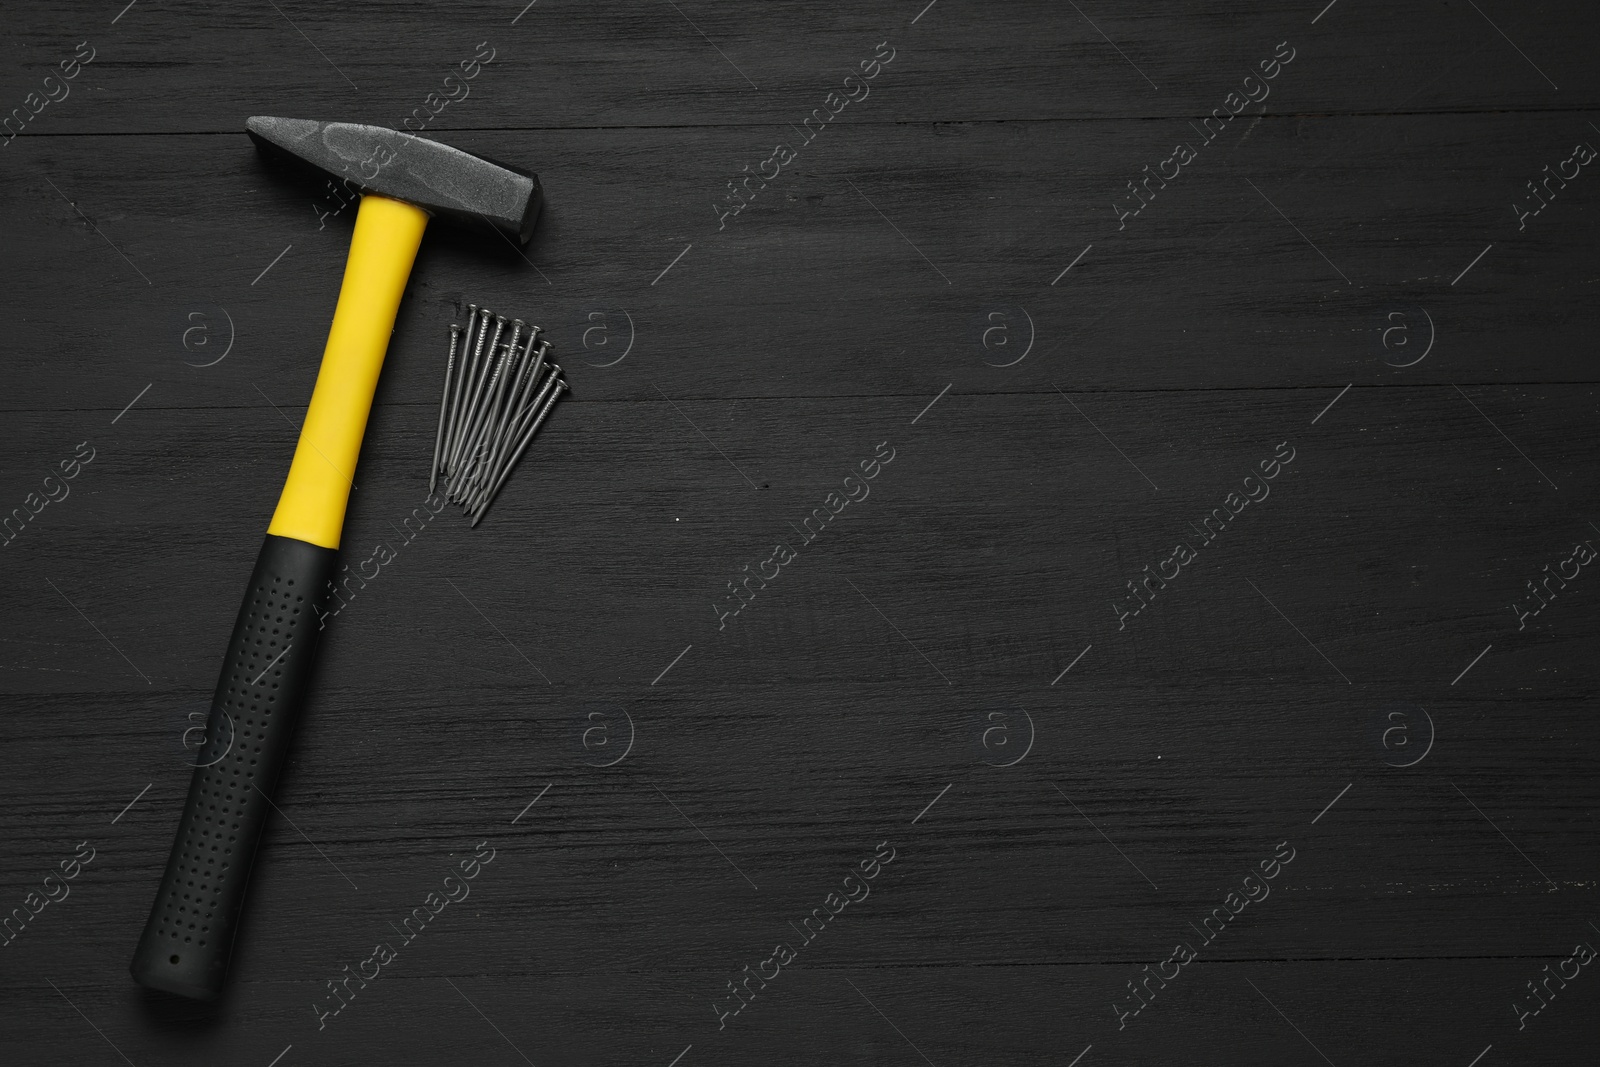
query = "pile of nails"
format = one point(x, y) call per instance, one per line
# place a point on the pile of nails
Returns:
point(496, 396)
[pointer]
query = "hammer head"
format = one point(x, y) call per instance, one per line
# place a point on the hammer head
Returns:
point(435, 177)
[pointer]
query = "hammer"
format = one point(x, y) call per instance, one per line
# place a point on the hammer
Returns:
point(267, 668)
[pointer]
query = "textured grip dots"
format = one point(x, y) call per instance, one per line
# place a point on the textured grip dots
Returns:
point(258, 697)
point(249, 713)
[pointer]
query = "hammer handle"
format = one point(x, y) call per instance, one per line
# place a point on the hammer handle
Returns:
point(265, 677)
point(266, 672)
point(320, 478)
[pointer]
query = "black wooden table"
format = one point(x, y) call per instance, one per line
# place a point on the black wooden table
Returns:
point(1163, 437)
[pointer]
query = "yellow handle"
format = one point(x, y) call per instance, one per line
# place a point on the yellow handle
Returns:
point(321, 476)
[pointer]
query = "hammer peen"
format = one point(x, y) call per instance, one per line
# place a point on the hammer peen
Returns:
point(267, 668)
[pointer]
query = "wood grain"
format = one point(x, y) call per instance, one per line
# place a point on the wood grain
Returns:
point(963, 614)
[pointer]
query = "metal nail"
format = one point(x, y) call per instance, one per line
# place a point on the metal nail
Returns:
point(471, 356)
point(462, 359)
point(444, 406)
point(508, 408)
point(528, 380)
point(480, 364)
point(475, 410)
point(473, 452)
point(463, 362)
point(527, 439)
point(497, 385)
point(536, 391)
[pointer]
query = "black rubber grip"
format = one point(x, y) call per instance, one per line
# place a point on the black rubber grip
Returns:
point(189, 935)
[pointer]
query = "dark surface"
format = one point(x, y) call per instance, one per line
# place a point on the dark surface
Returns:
point(1330, 632)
